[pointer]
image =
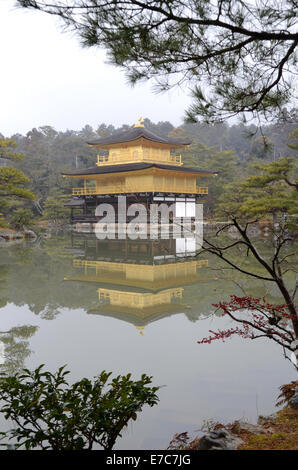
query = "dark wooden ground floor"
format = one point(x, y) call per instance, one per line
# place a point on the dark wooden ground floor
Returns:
point(83, 208)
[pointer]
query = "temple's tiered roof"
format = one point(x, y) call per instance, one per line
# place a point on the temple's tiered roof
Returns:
point(136, 133)
point(99, 170)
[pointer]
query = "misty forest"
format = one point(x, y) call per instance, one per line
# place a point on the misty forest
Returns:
point(232, 150)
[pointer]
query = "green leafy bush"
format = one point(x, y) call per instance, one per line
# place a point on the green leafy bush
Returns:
point(51, 414)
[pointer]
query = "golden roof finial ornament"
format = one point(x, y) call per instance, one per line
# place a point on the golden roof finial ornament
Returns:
point(140, 328)
point(140, 122)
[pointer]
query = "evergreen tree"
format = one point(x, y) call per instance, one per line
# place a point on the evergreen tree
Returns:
point(261, 147)
point(12, 180)
point(22, 218)
point(273, 193)
point(225, 162)
point(233, 53)
point(294, 135)
point(54, 209)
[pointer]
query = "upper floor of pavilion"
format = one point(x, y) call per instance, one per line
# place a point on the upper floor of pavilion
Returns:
point(138, 145)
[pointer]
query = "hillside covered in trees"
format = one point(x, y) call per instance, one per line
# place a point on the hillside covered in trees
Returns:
point(230, 150)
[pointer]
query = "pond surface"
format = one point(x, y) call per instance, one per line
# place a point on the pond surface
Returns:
point(137, 306)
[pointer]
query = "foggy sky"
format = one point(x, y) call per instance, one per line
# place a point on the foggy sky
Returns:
point(47, 78)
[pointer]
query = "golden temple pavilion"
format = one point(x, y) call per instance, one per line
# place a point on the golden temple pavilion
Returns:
point(140, 166)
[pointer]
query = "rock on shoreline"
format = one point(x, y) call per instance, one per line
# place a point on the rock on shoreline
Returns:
point(278, 431)
point(9, 235)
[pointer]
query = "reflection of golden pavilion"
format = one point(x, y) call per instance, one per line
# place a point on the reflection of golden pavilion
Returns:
point(150, 277)
point(139, 281)
point(139, 308)
point(138, 301)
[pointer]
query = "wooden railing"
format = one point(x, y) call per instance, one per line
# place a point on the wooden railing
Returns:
point(202, 190)
point(136, 299)
point(112, 266)
point(176, 159)
point(125, 189)
point(108, 160)
point(83, 191)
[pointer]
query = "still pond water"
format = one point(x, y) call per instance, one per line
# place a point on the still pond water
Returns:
point(139, 307)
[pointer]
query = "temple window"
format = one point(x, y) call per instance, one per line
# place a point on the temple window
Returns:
point(146, 153)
